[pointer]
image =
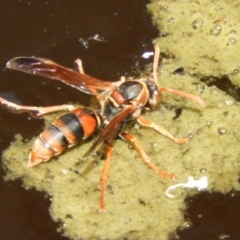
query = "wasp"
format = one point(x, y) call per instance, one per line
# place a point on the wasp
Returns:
point(120, 101)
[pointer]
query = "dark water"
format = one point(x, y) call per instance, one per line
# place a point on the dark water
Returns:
point(213, 216)
point(110, 37)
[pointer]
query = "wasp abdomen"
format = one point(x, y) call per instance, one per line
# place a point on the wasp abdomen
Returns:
point(70, 127)
point(63, 133)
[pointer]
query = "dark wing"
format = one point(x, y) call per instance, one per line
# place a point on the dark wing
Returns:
point(111, 128)
point(49, 69)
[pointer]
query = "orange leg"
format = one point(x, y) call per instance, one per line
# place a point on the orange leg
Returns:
point(155, 62)
point(144, 122)
point(104, 176)
point(184, 94)
point(134, 141)
point(38, 110)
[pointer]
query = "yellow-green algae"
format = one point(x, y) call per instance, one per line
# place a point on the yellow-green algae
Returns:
point(135, 197)
point(203, 35)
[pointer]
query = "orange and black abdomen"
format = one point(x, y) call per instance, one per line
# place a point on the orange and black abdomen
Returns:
point(63, 133)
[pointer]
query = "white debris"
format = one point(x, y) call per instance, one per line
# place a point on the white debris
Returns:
point(147, 54)
point(64, 171)
point(229, 102)
point(200, 184)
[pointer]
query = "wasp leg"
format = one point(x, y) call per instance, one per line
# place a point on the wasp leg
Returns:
point(50, 109)
point(104, 176)
point(134, 141)
point(184, 94)
point(101, 100)
point(155, 62)
point(144, 122)
point(39, 110)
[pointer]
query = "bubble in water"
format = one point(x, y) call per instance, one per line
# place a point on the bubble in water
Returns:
point(231, 40)
point(233, 31)
point(208, 123)
point(197, 23)
point(221, 131)
point(236, 71)
point(216, 30)
point(187, 225)
point(203, 170)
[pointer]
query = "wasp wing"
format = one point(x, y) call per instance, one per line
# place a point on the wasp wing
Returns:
point(47, 68)
point(111, 128)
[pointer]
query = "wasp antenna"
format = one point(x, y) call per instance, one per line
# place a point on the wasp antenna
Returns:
point(184, 94)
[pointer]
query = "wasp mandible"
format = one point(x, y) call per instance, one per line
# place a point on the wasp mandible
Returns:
point(126, 101)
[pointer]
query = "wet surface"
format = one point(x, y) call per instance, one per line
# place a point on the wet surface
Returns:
point(110, 37)
point(212, 216)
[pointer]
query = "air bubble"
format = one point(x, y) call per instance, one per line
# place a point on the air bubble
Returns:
point(221, 131)
point(197, 23)
point(190, 136)
point(231, 41)
point(164, 34)
point(203, 170)
point(187, 225)
point(216, 30)
point(233, 32)
point(236, 71)
point(208, 123)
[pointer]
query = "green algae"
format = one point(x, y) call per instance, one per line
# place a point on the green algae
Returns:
point(203, 35)
point(137, 207)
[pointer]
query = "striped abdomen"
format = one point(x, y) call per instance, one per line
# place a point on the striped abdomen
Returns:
point(63, 133)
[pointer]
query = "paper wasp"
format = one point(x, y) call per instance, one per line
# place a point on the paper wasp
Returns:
point(126, 101)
